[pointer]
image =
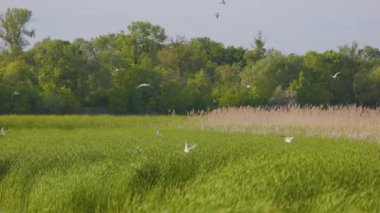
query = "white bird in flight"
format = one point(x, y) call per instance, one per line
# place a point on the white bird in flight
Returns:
point(288, 139)
point(143, 85)
point(187, 149)
point(336, 75)
point(3, 132)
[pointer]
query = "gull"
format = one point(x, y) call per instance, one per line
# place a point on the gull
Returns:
point(223, 2)
point(288, 139)
point(187, 149)
point(217, 15)
point(143, 85)
point(336, 75)
point(3, 132)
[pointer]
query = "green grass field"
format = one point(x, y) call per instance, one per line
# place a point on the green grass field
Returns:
point(119, 164)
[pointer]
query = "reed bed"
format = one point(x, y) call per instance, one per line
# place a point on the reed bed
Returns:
point(339, 121)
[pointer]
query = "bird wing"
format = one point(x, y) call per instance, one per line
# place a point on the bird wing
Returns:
point(143, 85)
point(336, 74)
point(3, 132)
point(288, 139)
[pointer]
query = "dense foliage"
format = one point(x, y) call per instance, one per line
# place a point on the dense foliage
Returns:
point(101, 75)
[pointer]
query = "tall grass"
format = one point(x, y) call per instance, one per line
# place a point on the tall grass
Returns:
point(340, 121)
point(87, 121)
point(119, 164)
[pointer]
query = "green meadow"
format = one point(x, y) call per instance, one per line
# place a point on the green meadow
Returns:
point(119, 164)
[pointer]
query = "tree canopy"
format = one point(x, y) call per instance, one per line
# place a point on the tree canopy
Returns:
point(101, 75)
point(13, 28)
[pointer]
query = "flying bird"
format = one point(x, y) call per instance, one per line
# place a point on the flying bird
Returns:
point(336, 75)
point(217, 15)
point(187, 149)
point(3, 133)
point(223, 2)
point(143, 85)
point(288, 139)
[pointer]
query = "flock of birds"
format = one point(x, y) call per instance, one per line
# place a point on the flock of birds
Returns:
point(187, 149)
point(16, 92)
point(333, 76)
point(248, 86)
point(217, 14)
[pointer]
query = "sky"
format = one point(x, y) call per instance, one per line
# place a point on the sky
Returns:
point(291, 26)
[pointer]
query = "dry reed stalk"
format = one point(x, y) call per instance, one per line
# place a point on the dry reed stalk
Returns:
point(339, 121)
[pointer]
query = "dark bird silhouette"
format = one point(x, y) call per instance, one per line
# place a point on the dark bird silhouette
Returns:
point(217, 15)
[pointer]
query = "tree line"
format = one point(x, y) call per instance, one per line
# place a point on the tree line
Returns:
point(101, 75)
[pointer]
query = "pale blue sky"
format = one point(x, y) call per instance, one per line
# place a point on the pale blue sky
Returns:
point(291, 26)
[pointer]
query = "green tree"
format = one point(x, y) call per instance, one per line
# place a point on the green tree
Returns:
point(51, 64)
point(314, 82)
point(146, 37)
point(367, 87)
point(19, 95)
point(258, 51)
point(309, 92)
point(234, 55)
point(57, 75)
point(173, 97)
point(324, 66)
point(199, 91)
point(112, 59)
point(265, 75)
point(370, 54)
point(177, 61)
point(13, 29)
point(227, 91)
point(84, 63)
